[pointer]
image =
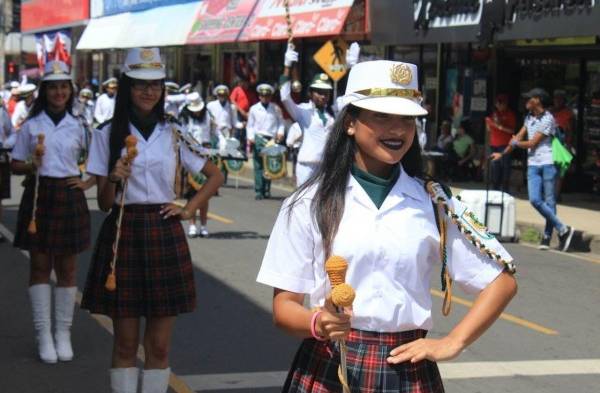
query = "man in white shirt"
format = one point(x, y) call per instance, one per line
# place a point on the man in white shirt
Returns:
point(105, 105)
point(26, 96)
point(265, 124)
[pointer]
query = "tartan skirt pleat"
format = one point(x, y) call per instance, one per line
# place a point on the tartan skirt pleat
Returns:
point(154, 270)
point(62, 218)
point(315, 367)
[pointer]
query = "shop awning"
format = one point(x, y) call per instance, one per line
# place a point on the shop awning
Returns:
point(161, 26)
point(219, 21)
point(309, 19)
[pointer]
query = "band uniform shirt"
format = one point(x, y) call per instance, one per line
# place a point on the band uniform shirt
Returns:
point(545, 124)
point(85, 110)
point(20, 113)
point(63, 142)
point(391, 252)
point(8, 137)
point(294, 136)
point(224, 116)
point(174, 103)
point(105, 108)
point(316, 131)
point(267, 122)
point(201, 130)
point(153, 170)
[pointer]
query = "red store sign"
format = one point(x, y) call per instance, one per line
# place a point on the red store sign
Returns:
point(38, 15)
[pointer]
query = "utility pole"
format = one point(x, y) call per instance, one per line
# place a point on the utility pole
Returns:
point(4, 12)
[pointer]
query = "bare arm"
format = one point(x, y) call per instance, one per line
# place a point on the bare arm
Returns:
point(530, 144)
point(487, 308)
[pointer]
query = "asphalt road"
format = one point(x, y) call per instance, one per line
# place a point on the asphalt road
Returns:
point(547, 341)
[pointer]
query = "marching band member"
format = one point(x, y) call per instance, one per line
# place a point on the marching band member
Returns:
point(369, 180)
point(105, 104)
point(315, 118)
point(224, 114)
point(26, 95)
point(7, 141)
point(153, 269)
point(196, 121)
point(84, 106)
point(265, 123)
point(173, 99)
point(62, 217)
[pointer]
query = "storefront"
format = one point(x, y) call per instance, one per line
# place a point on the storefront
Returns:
point(503, 46)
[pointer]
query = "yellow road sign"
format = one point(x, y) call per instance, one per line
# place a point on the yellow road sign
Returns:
point(332, 58)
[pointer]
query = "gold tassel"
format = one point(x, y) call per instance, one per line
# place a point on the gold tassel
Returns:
point(32, 228)
point(111, 282)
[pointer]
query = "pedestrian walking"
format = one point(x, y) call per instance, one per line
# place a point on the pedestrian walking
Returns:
point(314, 117)
point(62, 218)
point(501, 127)
point(153, 269)
point(224, 115)
point(105, 104)
point(265, 124)
point(539, 128)
point(366, 204)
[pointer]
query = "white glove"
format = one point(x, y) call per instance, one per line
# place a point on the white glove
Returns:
point(291, 56)
point(352, 55)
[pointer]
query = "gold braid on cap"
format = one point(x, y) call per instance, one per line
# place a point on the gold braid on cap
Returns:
point(153, 66)
point(390, 92)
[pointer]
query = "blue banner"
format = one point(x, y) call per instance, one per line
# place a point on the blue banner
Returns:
point(112, 7)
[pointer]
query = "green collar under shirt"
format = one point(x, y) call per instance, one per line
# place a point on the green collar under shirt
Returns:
point(376, 188)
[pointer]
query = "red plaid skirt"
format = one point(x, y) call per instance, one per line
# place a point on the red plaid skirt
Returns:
point(154, 272)
point(315, 367)
point(62, 218)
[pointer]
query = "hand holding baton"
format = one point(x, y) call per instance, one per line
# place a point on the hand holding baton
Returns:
point(111, 280)
point(38, 153)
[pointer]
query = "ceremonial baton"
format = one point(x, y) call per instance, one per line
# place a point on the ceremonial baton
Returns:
point(39, 152)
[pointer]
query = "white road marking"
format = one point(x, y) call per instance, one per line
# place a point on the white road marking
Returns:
point(458, 370)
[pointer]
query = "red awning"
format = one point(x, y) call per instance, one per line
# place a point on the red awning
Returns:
point(220, 21)
point(309, 19)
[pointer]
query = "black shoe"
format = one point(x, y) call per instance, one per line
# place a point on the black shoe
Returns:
point(544, 244)
point(259, 197)
point(565, 239)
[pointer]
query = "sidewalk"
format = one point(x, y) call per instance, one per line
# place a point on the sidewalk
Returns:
point(577, 210)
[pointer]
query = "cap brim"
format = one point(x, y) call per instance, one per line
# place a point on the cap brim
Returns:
point(196, 108)
point(322, 86)
point(148, 75)
point(57, 77)
point(391, 105)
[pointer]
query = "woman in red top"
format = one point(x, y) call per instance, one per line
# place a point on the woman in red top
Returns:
point(501, 126)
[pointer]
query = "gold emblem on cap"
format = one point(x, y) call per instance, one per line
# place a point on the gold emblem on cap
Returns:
point(146, 54)
point(323, 77)
point(56, 68)
point(401, 73)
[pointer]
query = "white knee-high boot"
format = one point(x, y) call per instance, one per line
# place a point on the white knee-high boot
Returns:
point(41, 299)
point(64, 303)
point(124, 380)
point(155, 380)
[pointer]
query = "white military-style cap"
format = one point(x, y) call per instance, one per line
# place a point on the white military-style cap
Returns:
point(220, 89)
point(144, 63)
point(321, 81)
point(172, 87)
point(265, 88)
point(85, 92)
point(56, 70)
point(195, 102)
point(110, 82)
point(385, 86)
point(26, 89)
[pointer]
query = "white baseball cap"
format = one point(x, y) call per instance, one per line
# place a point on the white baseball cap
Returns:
point(56, 70)
point(385, 86)
point(144, 63)
point(195, 102)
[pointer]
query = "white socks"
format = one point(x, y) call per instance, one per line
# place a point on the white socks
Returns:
point(155, 380)
point(64, 303)
point(124, 380)
point(40, 296)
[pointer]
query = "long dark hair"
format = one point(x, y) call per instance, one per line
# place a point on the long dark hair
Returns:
point(119, 125)
point(332, 175)
point(41, 101)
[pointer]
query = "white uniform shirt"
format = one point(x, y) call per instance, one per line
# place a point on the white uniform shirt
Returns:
point(201, 130)
point(391, 253)
point(63, 143)
point(265, 121)
point(20, 113)
point(174, 103)
point(8, 136)
point(85, 110)
point(152, 177)
point(224, 116)
point(294, 136)
point(315, 132)
point(105, 108)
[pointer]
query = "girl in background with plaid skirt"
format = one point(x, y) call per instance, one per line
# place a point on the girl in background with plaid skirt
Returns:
point(366, 203)
point(62, 216)
point(154, 273)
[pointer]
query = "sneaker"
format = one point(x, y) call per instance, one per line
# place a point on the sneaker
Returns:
point(192, 231)
point(544, 244)
point(565, 239)
point(203, 232)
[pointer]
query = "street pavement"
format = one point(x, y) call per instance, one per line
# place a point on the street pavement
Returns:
point(547, 340)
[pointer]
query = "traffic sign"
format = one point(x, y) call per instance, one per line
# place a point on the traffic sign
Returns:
point(332, 58)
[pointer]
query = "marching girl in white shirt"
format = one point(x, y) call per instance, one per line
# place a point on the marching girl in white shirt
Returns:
point(62, 217)
point(153, 270)
point(366, 204)
point(197, 122)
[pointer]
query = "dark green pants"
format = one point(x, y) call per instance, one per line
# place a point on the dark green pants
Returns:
point(262, 185)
